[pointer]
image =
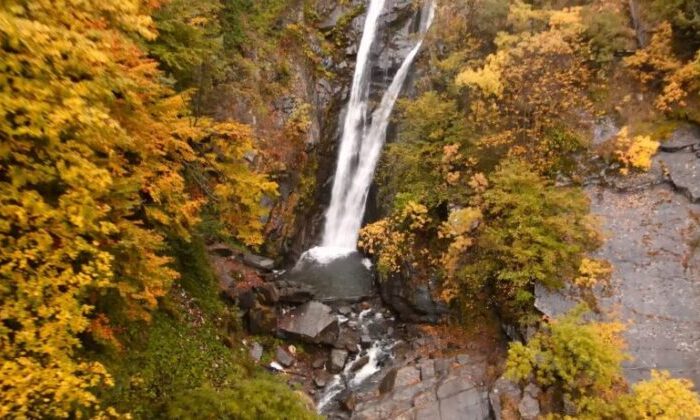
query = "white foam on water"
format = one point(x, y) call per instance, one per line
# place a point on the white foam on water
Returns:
point(324, 255)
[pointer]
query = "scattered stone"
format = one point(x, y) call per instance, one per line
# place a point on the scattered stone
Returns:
point(283, 357)
point(261, 263)
point(318, 363)
point(321, 378)
point(256, 351)
point(366, 340)
point(463, 359)
point(360, 363)
point(276, 367)
point(337, 360)
point(308, 322)
point(532, 390)
point(529, 408)
point(345, 310)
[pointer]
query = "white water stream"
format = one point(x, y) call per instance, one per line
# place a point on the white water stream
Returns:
point(362, 140)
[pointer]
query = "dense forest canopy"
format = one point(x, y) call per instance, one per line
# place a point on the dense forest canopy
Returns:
point(134, 132)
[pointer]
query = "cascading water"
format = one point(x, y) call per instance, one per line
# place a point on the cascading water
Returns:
point(354, 130)
point(361, 143)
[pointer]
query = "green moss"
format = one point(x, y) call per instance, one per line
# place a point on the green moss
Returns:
point(188, 361)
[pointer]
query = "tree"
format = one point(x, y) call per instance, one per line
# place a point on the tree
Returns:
point(581, 358)
point(533, 232)
point(93, 151)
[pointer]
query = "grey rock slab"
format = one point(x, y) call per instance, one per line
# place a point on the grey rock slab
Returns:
point(407, 375)
point(284, 357)
point(261, 263)
point(256, 351)
point(555, 302)
point(471, 404)
point(655, 285)
point(682, 138)
point(452, 386)
point(338, 359)
point(308, 321)
point(684, 172)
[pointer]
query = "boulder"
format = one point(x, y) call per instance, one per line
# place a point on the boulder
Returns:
point(337, 360)
point(318, 363)
point(529, 408)
point(294, 292)
point(348, 339)
point(284, 357)
point(311, 322)
point(256, 351)
point(321, 378)
point(261, 263)
point(344, 278)
point(413, 303)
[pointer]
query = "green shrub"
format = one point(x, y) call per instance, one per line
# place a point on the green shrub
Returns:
point(259, 399)
point(533, 232)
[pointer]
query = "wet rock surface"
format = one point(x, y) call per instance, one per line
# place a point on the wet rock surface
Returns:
point(347, 278)
point(454, 393)
point(308, 322)
point(413, 304)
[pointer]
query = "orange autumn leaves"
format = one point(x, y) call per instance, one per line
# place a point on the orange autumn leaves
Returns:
point(93, 151)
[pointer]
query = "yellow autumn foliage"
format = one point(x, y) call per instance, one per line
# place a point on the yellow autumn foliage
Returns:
point(593, 272)
point(391, 240)
point(93, 147)
point(634, 152)
point(657, 62)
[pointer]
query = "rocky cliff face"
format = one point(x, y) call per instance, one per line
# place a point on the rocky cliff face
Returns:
point(651, 224)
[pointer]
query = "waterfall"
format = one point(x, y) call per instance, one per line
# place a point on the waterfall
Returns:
point(361, 143)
